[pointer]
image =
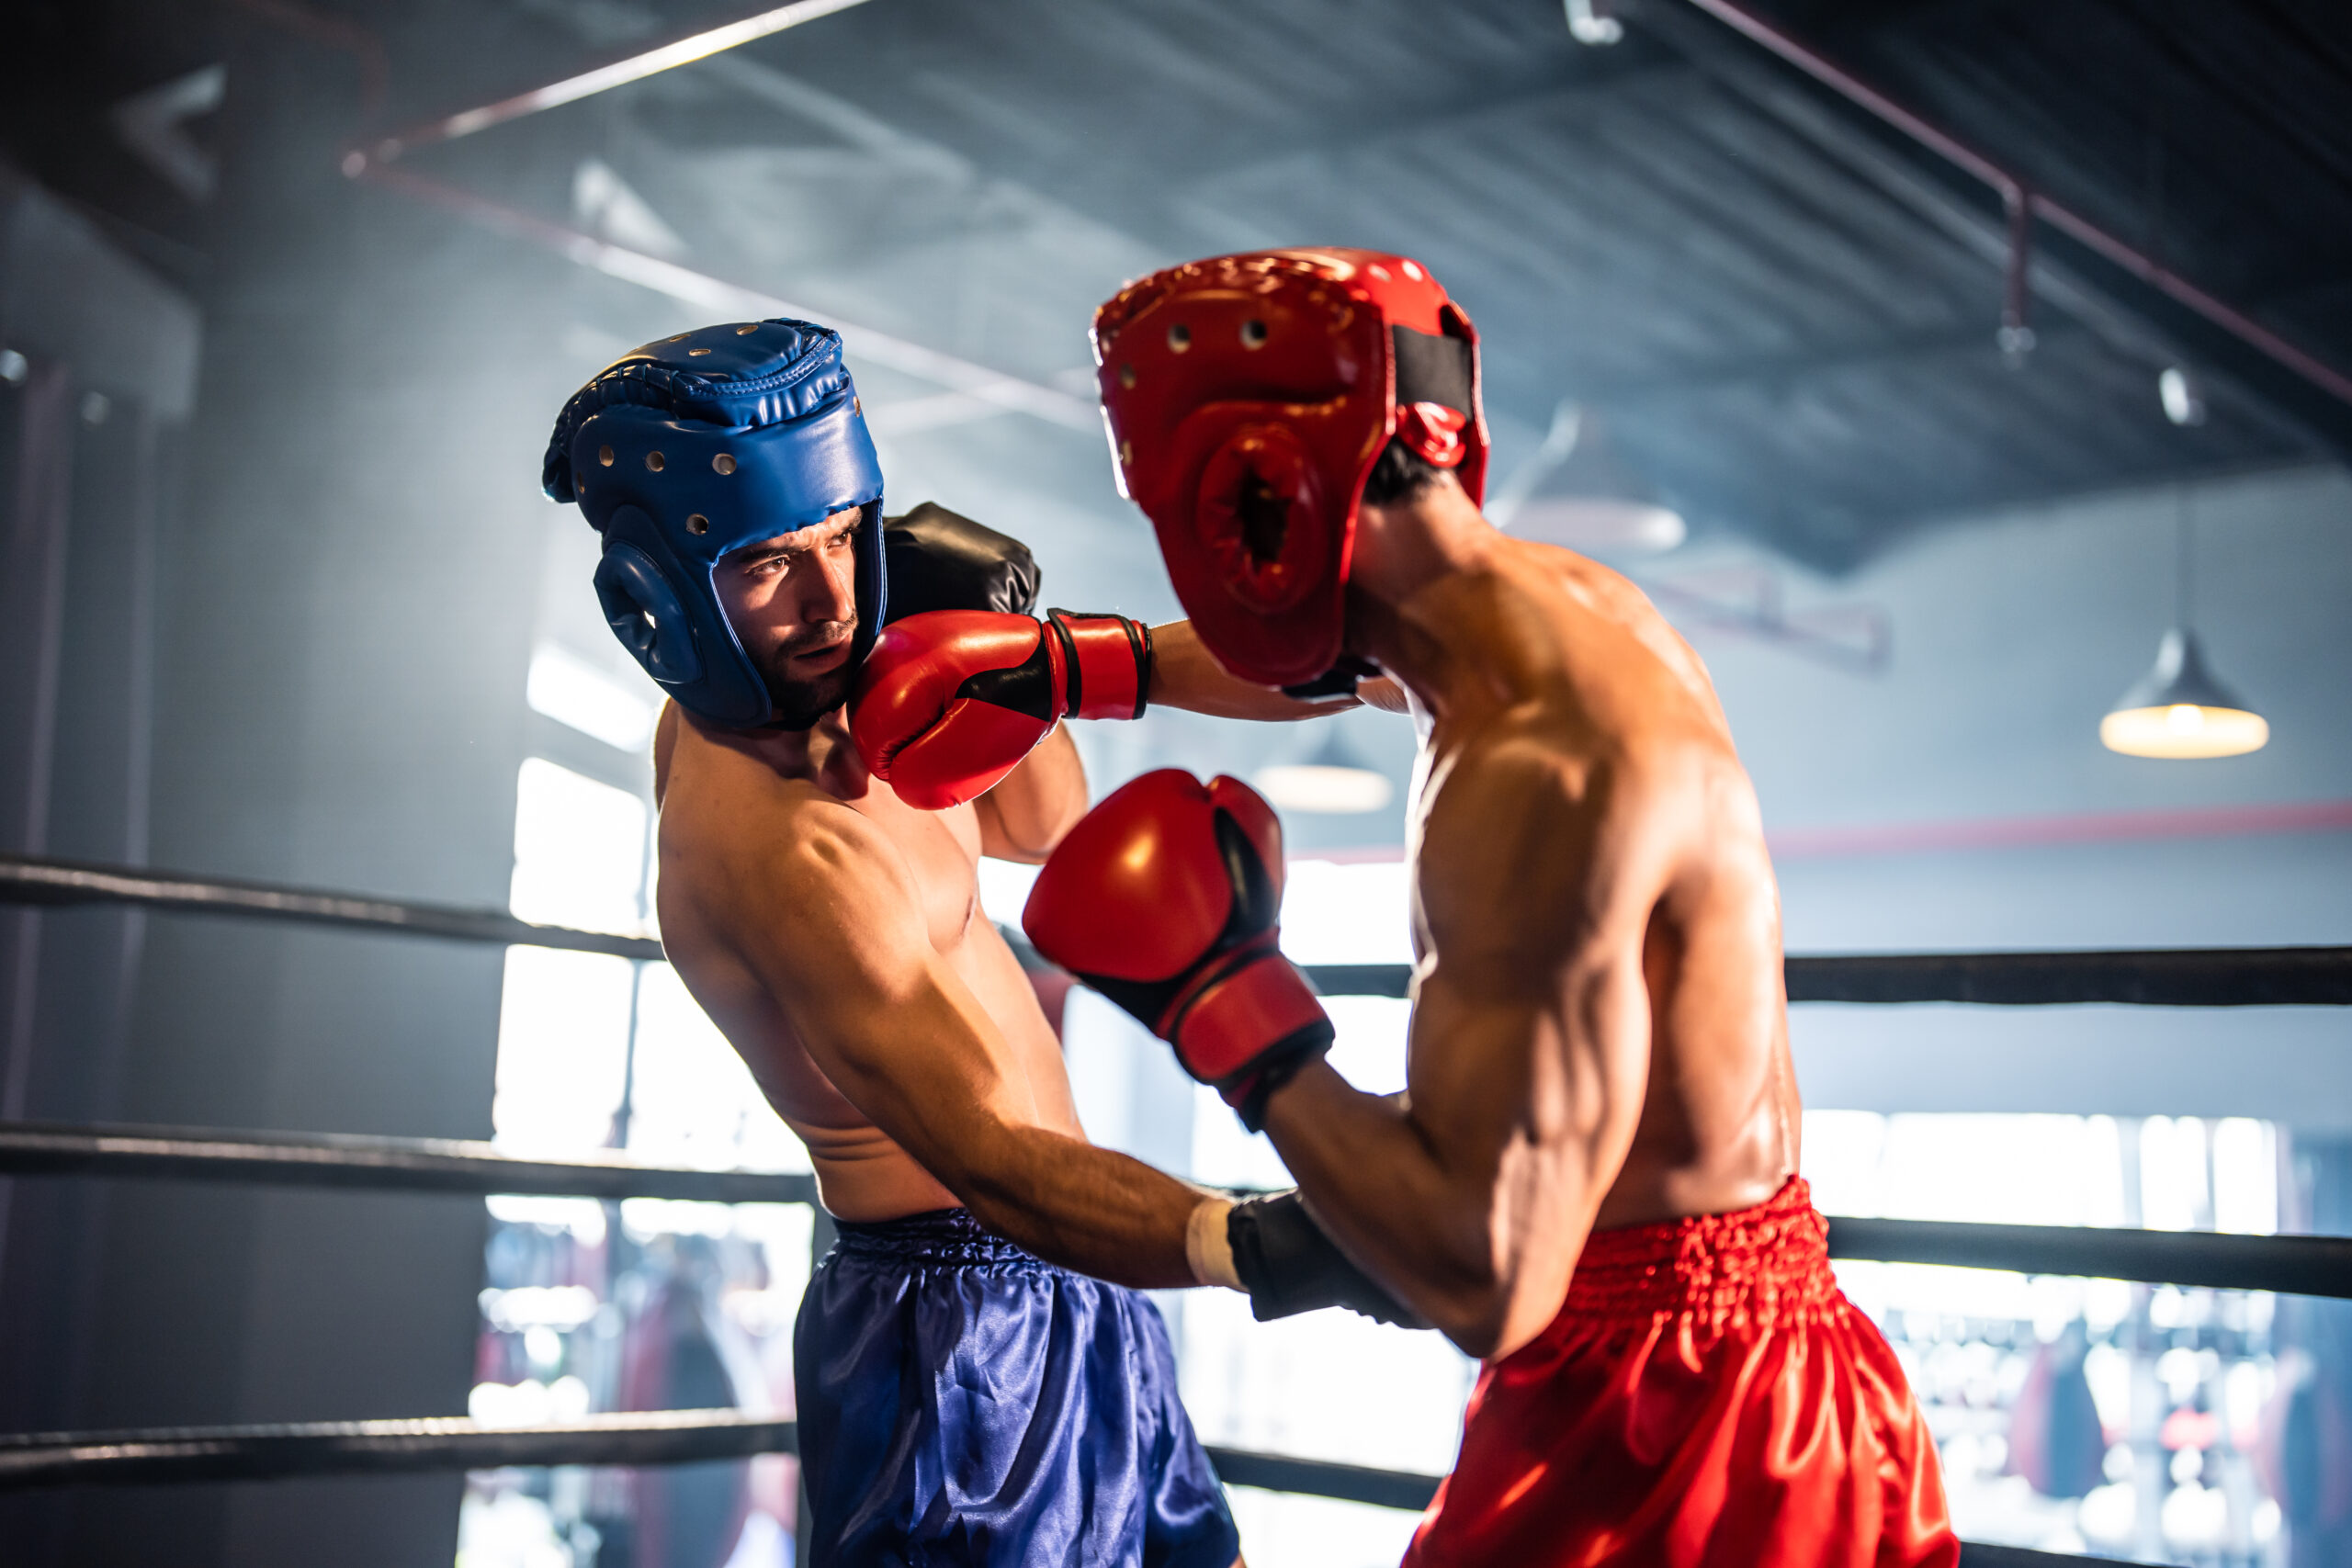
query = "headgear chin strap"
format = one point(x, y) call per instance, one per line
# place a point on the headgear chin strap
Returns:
point(1246, 399)
point(694, 446)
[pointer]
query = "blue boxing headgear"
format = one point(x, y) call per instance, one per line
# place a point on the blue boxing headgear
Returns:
point(699, 445)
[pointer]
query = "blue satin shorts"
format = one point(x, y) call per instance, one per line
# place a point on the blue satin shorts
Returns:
point(962, 1402)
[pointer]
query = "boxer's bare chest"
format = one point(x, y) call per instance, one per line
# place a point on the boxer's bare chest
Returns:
point(941, 849)
point(725, 783)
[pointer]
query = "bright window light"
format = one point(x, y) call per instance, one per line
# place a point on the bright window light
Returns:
point(694, 1103)
point(563, 1050)
point(2173, 1189)
point(1369, 1052)
point(2021, 1169)
point(2245, 1176)
point(1298, 1385)
point(1346, 912)
point(1319, 788)
point(570, 691)
point(564, 1019)
point(579, 851)
point(1284, 1528)
point(1004, 889)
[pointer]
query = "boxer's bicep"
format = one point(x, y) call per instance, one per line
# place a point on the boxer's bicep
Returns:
point(1530, 1044)
point(1526, 1111)
point(1031, 807)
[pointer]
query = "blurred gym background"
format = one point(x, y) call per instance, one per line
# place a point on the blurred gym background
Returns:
point(290, 292)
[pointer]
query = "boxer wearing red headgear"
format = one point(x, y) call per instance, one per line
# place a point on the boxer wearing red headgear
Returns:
point(1248, 398)
point(1590, 1181)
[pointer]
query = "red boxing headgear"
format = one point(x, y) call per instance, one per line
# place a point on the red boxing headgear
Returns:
point(1248, 398)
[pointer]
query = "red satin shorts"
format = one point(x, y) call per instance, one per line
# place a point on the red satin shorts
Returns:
point(1705, 1397)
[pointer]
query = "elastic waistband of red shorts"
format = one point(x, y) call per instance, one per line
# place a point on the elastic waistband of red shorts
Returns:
point(1752, 1266)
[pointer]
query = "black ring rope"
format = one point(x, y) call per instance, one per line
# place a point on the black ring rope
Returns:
point(26, 879)
point(2301, 1265)
point(170, 1454)
point(166, 1455)
point(398, 1164)
point(2185, 977)
point(2298, 1265)
point(2278, 976)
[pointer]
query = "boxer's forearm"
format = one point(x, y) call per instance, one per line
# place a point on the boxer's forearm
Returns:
point(1184, 676)
point(1472, 1194)
point(1371, 1179)
point(1090, 1210)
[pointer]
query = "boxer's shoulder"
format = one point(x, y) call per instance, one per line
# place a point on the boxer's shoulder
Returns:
point(731, 820)
point(1535, 820)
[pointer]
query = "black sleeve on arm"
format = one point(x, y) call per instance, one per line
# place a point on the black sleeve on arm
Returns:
point(937, 561)
point(1289, 1266)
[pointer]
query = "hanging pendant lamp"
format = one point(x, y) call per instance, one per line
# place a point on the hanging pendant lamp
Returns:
point(2178, 710)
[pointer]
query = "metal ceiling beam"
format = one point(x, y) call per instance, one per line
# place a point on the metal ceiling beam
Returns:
point(2077, 267)
point(635, 65)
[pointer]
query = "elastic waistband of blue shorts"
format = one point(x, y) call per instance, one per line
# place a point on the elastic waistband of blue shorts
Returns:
point(948, 1237)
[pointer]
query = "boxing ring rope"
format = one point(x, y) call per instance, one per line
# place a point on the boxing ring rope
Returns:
point(26, 879)
point(382, 1165)
point(2318, 1266)
point(2299, 1265)
point(2182, 977)
point(164, 1455)
point(168, 1455)
point(2277, 977)
point(174, 1455)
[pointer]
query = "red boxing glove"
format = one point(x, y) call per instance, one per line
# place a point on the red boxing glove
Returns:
point(950, 701)
point(1165, 898)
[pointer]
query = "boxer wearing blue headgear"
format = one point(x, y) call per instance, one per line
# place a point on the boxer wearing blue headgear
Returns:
point(967, 1393)
point(690, 449)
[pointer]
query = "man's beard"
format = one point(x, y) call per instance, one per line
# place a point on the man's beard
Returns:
point(800, 703)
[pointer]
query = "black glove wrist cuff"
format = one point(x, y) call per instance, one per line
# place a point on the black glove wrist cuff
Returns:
point(1289, 1266)
point(1340, 681)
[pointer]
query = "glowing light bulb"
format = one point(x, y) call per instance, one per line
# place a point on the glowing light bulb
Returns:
point(2179, 712)
point(2183, 732)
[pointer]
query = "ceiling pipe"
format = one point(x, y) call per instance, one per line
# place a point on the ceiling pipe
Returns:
point(2016, 336)
point(2025, 203)
point(634, 66)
